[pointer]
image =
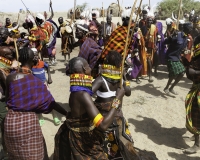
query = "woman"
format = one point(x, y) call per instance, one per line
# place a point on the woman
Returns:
point(118, 143)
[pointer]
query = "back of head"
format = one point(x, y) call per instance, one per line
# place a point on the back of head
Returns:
point(26, 56)
point(4, 33)
point(76, 65)
point(187, 27)
point(113, 58)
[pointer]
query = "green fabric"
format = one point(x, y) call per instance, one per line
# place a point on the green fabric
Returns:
point(175, 68)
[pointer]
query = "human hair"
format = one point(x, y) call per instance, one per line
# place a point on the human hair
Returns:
point(76, 65)
point(113, 58)
point(26, 55)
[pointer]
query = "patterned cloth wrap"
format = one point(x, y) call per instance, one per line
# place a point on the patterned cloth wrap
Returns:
point(38, 38)
point(175, 68)
point(35, 97)
point(23, 136)
point(90, 51)
point(117, 41)
point(76, 139)
point(118, 143)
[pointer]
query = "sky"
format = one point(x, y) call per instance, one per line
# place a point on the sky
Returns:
point(61, 5)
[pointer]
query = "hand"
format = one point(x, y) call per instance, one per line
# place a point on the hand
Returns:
point(49, 81)
point(120, 93)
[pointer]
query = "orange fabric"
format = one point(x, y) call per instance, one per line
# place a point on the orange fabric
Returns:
point(39, 65)
point(143, 54)
point(48, 27)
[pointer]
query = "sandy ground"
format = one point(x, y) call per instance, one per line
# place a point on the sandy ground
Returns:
point(157, 122)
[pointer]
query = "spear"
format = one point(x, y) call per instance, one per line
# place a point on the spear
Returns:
point(74, 10)
point(104, 25)
point(127, 40)
point(179, 11)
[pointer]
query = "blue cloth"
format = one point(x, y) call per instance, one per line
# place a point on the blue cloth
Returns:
point(80, 88)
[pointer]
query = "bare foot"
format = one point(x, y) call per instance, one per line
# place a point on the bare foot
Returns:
point(192, 150)
point(138, 81)
point(192, 138)
point(167, 92)
point(173, 92)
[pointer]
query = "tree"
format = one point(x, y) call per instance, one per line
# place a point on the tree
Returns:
point(82, 7)
point(166, 7)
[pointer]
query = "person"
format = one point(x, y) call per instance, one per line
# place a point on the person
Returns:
point(108, 28)
point(177, 43)
point(118, 143)
point(26, 95)
point(38, 70)
point(192, 98)
point(90, 50)
point(143, 21)
point(8, 23)
point(52, 31)
point(67, 39)
point(38, 38)
point(196, 27)
point(80, 135)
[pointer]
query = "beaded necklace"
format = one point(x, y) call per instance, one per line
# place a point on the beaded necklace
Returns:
point(197, 50)
point(5, 63)
point(111, 72)
point(81, 82)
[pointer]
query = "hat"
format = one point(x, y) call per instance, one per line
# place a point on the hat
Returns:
point(127, 13)
point(168, 21)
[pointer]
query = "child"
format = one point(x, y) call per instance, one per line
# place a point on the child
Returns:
point(39, 72)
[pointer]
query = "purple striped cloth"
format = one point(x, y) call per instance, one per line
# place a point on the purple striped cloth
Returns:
point(90, 51)
point(29, 94)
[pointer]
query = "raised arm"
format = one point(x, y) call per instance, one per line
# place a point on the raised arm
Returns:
point(52, 13)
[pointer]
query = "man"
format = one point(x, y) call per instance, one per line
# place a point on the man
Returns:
point(67, 39)
point(192, 98)
point(176, 44)
point(108, 28)
point(196, 27)
point(143, 21)
point(90, 50)
point(52, 31)
point(8, 23)
point(80, 136)
point(150, 36)
point(95, 15)
point(26, 95)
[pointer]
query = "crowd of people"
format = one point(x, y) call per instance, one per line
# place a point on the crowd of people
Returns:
point(95, 127)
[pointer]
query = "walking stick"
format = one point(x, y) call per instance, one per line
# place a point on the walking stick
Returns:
point(16, 50)
point(126, 44)
point(138, 12)
point(74, 10)
point(179, 11)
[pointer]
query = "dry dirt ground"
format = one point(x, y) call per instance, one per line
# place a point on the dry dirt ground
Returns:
point(157, 122)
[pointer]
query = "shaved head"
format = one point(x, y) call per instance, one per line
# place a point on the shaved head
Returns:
point(76, 65)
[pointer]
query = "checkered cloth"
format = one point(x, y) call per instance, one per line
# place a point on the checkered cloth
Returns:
point(116, 41)
point(175, 68)
point(90, 51)
point(23, 136)
point(70, 144)
point(29, 94)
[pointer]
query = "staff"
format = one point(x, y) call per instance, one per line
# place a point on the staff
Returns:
point(179, 11)
point(127, 40)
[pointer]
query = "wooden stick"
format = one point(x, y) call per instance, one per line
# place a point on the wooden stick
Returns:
point(104, 24)
point(16, 50)
point(119, 8)
point(179, 11)
point(126, 44)
point(136, 19)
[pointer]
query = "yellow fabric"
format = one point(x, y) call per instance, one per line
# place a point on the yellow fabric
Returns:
point(81, 80)
point(97, 118)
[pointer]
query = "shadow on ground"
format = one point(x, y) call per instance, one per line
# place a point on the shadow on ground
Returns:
point(178, 156)
point(171, 137)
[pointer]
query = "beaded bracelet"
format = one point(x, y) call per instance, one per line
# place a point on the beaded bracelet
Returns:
point(115, 104)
